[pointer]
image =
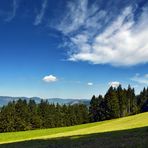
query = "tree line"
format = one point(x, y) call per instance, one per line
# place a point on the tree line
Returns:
point(21, 115)
point(118, 102)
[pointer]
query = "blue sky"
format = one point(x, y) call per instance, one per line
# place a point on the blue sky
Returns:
point(71, 48)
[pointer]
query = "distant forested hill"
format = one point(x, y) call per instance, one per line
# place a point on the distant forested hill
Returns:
point(5, 99)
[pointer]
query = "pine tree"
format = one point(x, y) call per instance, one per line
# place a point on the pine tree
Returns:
point(43, 113)
point(34, 119)
point(132, 103)
point(122, 101)
point(21, 115)
point(84, 113)
point(142, 100)
point(93, 109)
point(7, 118)
point(112, 104)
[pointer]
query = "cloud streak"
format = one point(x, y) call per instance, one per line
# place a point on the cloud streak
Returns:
point(73, 20)
point(142, 79)
point(12, 14)
point(40, 15)
point(94, 38)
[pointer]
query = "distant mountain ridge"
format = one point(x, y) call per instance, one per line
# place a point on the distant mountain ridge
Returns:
point(5, 99)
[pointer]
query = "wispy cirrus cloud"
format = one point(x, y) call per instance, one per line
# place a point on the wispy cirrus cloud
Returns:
point(75, 17)
point(95, 37)
point(40, 15)
point(12, 14)
point(142, 79)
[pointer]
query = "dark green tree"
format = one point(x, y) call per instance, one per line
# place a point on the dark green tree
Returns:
point(34, 118)
point(121, 94)
point(142, 100)
point(131, 101)
point(94, 109)
point(112, 104)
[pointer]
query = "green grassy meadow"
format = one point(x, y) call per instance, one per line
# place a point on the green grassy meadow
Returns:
point(129, 131)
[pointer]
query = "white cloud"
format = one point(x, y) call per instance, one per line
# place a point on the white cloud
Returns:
point(75, 17)
point(142, 79)
point(12, 14)
point(90, 84)
point(114, 84)
point(50, 79)
point(123, 42)
point(40, 15)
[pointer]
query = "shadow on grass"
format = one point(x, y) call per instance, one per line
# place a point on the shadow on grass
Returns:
point(133, 138)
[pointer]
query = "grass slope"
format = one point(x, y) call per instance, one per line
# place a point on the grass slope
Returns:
point(132, 130)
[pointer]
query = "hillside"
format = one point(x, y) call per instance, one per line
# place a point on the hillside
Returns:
point(129, 131)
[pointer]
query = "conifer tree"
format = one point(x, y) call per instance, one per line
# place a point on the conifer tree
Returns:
point(132, 103)
point(112, 103)
point(93, 109)
point(122, 101)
